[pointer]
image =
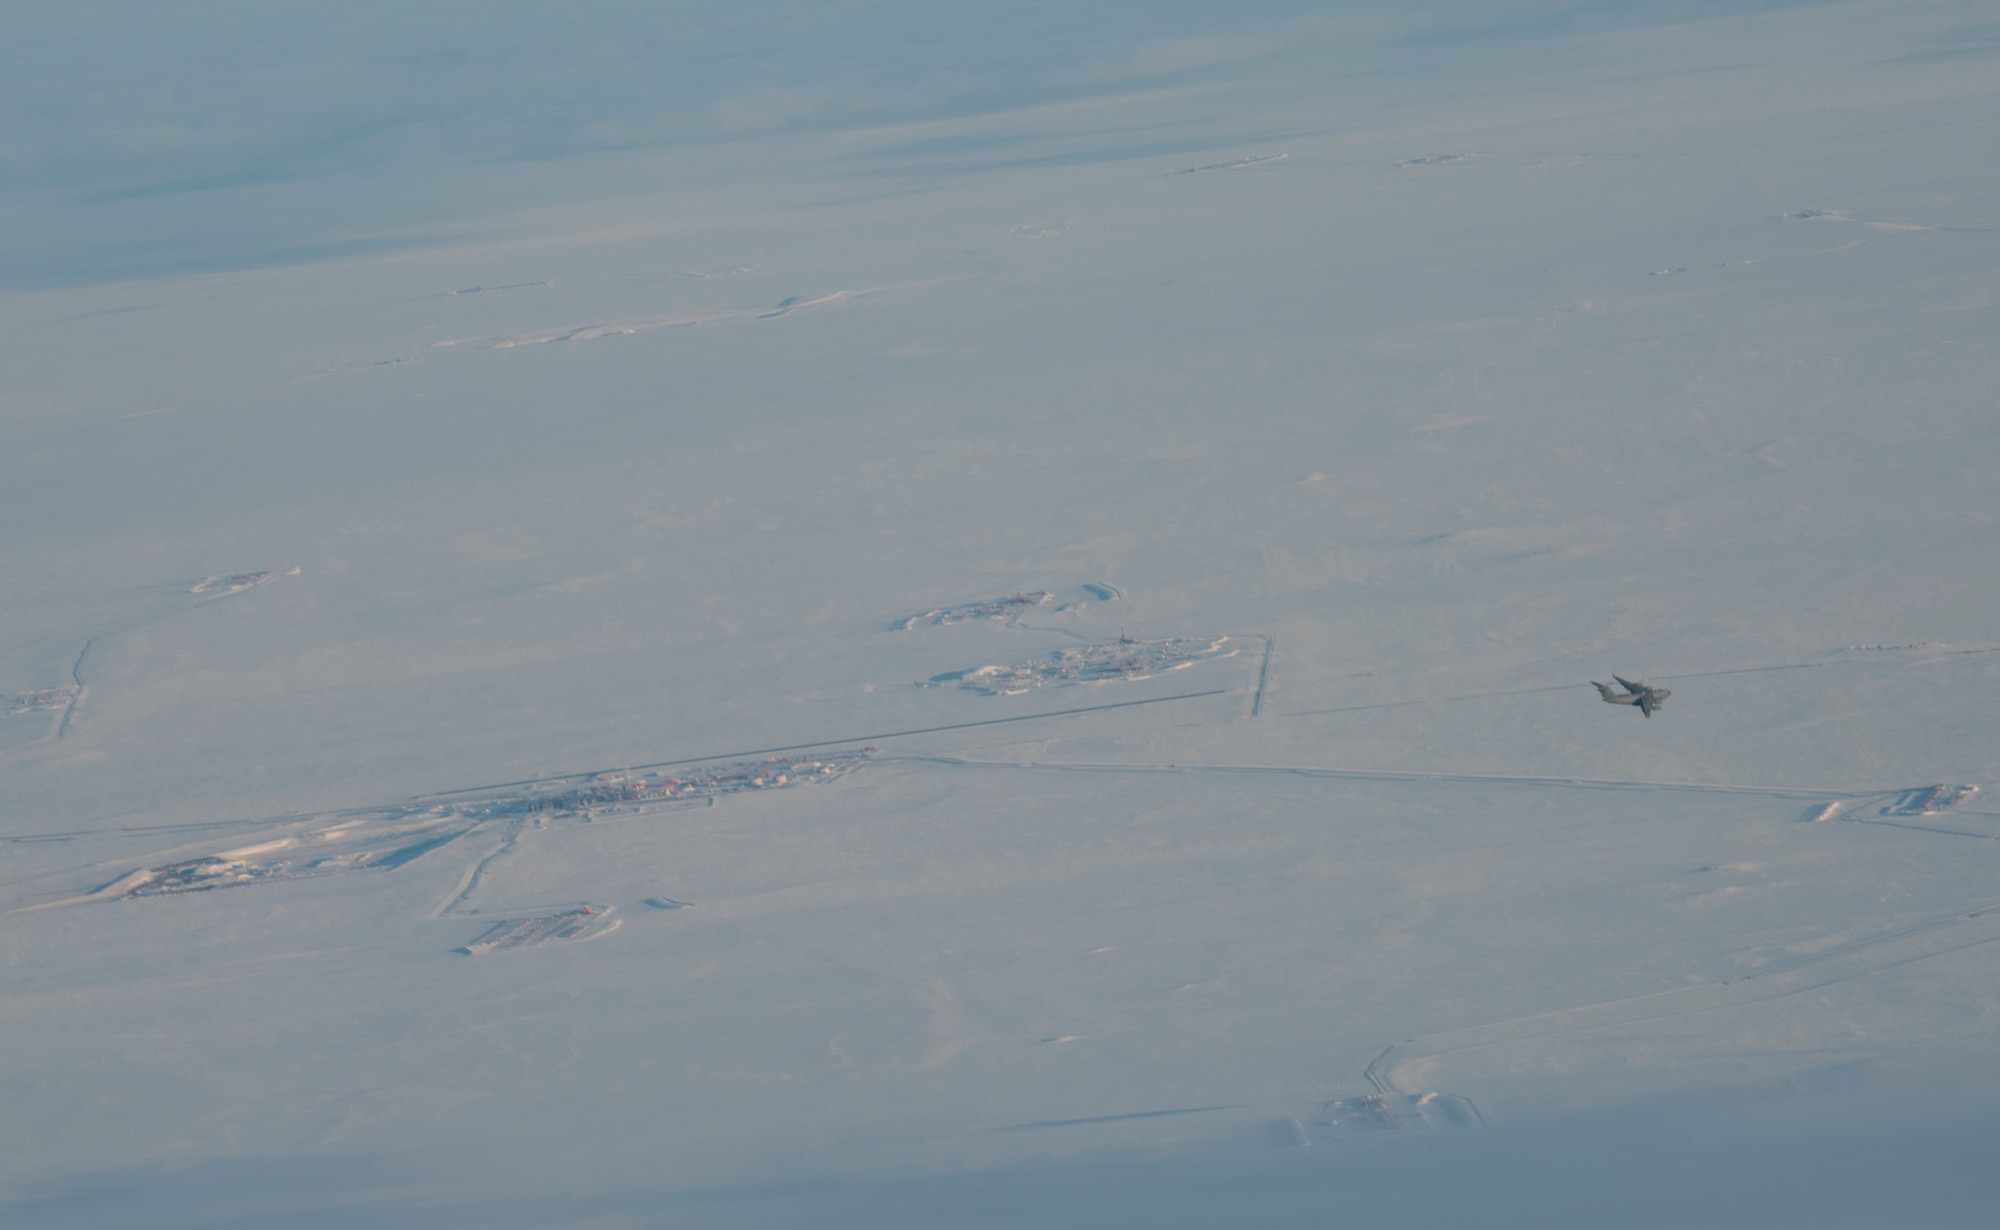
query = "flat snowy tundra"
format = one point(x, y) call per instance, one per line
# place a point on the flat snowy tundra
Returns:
point(892, 615)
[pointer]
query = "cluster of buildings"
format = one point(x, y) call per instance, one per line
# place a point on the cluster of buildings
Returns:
point(1123, 658)
point(1925, 800)
point(1398, 1112)
point(998, 608)
point(44, 698)
point(699, 783)
point(234, 583)
point(580, 923)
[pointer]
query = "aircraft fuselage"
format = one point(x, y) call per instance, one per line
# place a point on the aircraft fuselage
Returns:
point(1638, 694)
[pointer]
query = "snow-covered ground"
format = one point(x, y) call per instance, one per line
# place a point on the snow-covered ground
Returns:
point(1168, 506)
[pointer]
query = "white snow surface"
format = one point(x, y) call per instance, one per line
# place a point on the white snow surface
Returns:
point(386, 606)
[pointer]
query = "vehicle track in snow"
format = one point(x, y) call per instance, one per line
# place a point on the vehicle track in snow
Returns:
point(1780, 980)
point(207, 590)
point(1400, 775)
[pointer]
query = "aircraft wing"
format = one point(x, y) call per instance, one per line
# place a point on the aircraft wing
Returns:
point(1633, 688)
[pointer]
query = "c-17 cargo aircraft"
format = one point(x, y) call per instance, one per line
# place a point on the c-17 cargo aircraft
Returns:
point(1648, 699)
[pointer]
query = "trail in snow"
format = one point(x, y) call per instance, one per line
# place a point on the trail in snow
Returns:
point(1851, 961)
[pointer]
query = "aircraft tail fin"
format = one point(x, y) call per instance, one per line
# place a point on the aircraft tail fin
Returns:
point(1604, 690)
